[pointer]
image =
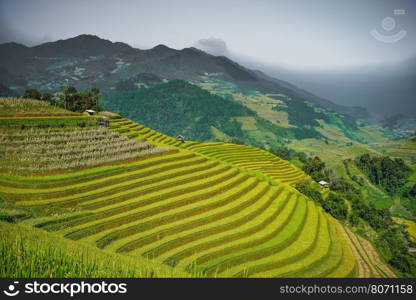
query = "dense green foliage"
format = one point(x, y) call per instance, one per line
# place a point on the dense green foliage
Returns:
point(409, 198)
point(303, 132)
point(69, 98)
point(411, 192)
point(131, 83)
point(334, 204)
point(6, 217)
point(179, 108)
point(310, 190)
point(282, 152)
point(301, 114)
point(393, 241)
point(304, 117)
point(315, 168)
point(32, 94)
point(389, 173)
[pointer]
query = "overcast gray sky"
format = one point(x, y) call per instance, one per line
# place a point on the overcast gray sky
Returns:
point(307, 33)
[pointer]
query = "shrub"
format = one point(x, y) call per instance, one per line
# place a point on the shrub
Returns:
point(335, 205)
point(7, 217)
point(310, 191)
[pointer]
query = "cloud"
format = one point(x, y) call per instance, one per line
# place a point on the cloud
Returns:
point(212, 45)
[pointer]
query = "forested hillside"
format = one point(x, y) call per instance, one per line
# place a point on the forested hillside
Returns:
point(180, 108)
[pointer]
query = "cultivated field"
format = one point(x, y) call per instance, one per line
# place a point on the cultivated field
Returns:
point(252, 159)
point(33, 149)
point(13, 107)
point(411, 226)
point(205, 209)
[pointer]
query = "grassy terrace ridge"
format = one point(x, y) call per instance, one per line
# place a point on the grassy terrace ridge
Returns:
point(250, 158)
point(211, 220)
point(28, 252)
point(205, 209)
point(369, 261)
point(13, 107)
point(29, 148)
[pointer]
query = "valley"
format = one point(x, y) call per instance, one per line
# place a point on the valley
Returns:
point(189, 210)
point(123, 162)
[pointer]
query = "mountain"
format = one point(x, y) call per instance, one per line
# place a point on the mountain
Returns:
point(383, 89)
point(80, 46)
point(88, 60)
point(357, 112)
point(402, 125)
point(6, 92)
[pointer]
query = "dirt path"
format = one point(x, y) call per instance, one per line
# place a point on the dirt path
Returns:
point(363, 269)
point(369, 262)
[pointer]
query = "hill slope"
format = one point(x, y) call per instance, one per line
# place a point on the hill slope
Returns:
point(178, 107)
point(227, 114)
point(87, 60)
point(201, 209)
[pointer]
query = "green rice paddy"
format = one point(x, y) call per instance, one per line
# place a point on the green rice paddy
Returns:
point(197, 209)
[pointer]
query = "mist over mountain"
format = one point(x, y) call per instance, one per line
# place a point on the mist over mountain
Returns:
point(384, 89)
point(213, 45)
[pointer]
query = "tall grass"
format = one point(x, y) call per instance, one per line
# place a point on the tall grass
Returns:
point(26, 252)
point(19, 107)
point(47, 122)
point(22, 104)
point(41, 150)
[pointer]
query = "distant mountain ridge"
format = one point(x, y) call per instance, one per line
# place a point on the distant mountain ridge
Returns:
point(88, 60)
point(80, 46)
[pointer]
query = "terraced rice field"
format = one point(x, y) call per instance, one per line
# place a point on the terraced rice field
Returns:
point(217, 210)
point(35, 149)
point(13, 107)
point(411, 226)
point(368, 260)
point(250, 158)
point(241, 156)
point(139, 132)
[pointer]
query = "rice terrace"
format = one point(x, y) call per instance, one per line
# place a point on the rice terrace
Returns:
point(80, 193)
point(266, 142)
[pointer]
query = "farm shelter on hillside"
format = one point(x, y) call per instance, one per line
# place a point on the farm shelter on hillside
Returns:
point(103, 121)
point(90, 112)
point(324, 183)
point(180, 138)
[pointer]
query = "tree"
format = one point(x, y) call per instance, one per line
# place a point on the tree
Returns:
point(283, 153)
point(80, 101)
point(32, 94)
point(353, 219)
point(411, 191)
point(47, 97)
point(389, 173)
point(402, 262)
point(335, 205)
point(315, 168)
point(69, 93)
point(95, 96)
point(309, 190)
